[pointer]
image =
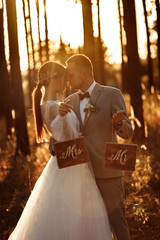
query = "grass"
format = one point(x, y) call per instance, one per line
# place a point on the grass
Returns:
point(19, 173)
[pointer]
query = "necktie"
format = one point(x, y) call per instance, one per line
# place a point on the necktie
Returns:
point(85, 95)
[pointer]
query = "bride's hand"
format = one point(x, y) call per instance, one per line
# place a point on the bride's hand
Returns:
point(64, 108)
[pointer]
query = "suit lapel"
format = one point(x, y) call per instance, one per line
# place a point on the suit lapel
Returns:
point(93, 99)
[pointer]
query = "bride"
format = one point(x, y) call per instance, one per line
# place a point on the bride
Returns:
point(65, 204)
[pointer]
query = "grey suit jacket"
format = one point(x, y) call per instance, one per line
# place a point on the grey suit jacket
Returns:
point(97, 127)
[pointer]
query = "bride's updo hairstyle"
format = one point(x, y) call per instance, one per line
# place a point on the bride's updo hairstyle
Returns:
point(48, 71)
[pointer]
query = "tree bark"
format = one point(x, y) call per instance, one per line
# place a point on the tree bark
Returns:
point(133, 65)
point(46, 30)
point(31, 38)
point(100, 49)
point(89, 48)
point(158, 32)
point(39, 36)
point(150, 67)
point(5, 89)
point(18, 104)
point(123, 72)
point(27, 44)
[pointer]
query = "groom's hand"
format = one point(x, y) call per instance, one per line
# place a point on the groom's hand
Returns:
point(64, 108)
point(118, 117)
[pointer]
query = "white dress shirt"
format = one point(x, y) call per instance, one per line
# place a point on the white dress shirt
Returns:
point(85, 101)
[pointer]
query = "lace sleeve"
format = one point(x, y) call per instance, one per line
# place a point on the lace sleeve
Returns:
point(65, 128)
point(50, 110)
point(62, 128)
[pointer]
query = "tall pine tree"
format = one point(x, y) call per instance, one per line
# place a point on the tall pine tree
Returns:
point(18, 104)
point(133, 64)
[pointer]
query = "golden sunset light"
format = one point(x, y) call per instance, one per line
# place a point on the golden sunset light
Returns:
point(80, 119)
point(67, 22)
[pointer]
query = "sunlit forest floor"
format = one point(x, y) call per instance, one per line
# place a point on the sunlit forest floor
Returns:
point(19, 174)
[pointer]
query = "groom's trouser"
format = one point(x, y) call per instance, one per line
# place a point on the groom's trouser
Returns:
point(112, 191)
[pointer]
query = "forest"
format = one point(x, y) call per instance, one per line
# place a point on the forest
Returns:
point(138, 77)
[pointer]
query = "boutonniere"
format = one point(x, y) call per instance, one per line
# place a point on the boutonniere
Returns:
point(90, 108)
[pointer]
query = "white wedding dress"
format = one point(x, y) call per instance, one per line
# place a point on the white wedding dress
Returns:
point(65, 204)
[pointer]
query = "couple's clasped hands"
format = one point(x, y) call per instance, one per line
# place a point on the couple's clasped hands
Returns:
point(66, 107)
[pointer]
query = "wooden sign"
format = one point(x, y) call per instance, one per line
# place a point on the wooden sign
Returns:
point(120, 156)
point(72, 152)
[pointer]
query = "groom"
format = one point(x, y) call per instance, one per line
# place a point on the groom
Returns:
point(107, 120)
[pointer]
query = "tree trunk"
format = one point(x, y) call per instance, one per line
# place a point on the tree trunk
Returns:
point(27, 44)
point(31, 39)
point(158, 32)
point(123, 72)
point(46, 30)
point(100, 49)
point(5, 90)
point(20, 118)
point(88, 31)
point(150, 68)
point(39, 36)
point(133, 65)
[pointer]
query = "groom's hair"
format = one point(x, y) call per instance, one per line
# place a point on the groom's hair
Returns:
point(81, 61)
